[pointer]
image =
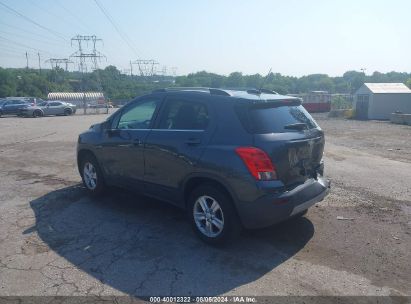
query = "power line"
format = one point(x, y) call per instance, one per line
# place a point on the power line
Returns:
point(26, 31)
point(118, 30)
point(11, 56)
point(43, 9)
point(17, 49)
point(30, 38)
point(32, 21)
point(16, 53)
point(10, 52)
point(84, 26)
point(24, 45)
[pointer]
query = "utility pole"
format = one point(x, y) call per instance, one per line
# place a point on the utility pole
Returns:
point(82, 55)
point(27, 61)
point(131, 69)
point(38, 54)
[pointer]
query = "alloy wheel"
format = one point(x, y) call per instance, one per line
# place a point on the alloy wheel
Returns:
point(90, 176)
point(208, 216)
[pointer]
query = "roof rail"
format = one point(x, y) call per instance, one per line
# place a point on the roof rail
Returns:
point(219, 92)
point(212, 91)
point(259, 91)
point(266, 91)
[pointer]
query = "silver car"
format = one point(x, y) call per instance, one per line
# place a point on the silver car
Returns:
point(49, 108)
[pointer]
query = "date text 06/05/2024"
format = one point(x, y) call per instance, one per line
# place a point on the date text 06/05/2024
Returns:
point(191, 299)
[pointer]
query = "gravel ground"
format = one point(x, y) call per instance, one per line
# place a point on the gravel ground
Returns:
point(55, 240)
point(377, 137)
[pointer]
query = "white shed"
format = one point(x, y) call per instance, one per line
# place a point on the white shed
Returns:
point(379, 100)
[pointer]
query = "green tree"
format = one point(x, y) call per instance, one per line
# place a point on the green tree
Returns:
point(235, 80)
point(354, 80)
point(29, 82)
point(7, 84)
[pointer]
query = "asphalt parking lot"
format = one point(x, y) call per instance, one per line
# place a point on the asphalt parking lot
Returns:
point(55, 240)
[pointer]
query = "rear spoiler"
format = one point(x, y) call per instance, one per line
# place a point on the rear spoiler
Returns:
point(272, 103)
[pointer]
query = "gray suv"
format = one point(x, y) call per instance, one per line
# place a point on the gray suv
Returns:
point(232, 159)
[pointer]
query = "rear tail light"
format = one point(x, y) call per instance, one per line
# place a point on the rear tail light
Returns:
point(258, 163)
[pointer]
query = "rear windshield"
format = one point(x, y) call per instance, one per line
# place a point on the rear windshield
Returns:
point(273, 120)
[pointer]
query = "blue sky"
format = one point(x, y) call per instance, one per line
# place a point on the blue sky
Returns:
point(291, 37)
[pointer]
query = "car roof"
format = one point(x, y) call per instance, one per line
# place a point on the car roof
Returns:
point(19, 100)
point(251, 95)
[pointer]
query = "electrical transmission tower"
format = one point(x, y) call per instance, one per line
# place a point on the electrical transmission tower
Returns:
point(147, 68)
point(55, 62)
point(86, 53)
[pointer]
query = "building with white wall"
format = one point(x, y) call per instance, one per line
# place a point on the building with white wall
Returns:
point(379, 100)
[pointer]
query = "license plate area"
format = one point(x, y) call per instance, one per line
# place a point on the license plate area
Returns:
point(297, 156)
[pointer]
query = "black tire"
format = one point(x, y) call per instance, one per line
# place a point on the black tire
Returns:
point(68, 112)
point(100, 183)
point(231, 227)
point(37, 113)
point(1, 113)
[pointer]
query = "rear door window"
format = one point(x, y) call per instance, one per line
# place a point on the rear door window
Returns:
point(275, 119)
point(184, 115)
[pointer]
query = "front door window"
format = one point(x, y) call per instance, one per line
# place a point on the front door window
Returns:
point(138, 116)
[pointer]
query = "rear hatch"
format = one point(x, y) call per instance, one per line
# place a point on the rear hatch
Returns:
point(289, 135)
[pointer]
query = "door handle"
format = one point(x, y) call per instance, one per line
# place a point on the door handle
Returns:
point(134, 143)
point(125, 145)
point(193, 141)
point(137, 142)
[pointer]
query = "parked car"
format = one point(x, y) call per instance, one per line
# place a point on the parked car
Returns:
point(32, 100)
point(232, 159)
point(13, 107)
point(49, 108)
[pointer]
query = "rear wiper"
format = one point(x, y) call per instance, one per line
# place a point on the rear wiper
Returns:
point(297, 126)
